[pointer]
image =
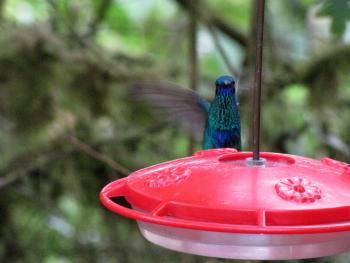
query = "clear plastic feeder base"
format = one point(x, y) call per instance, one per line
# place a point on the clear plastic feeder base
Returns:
point(246, 246)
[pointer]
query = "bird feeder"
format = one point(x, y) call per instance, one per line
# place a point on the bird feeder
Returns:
point(243, 205)
point(215, 204)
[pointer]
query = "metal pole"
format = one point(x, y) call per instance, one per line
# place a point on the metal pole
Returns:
point(193, 59)
point(257, 78)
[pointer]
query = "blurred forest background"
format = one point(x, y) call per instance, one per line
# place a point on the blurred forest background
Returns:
point(68, 126)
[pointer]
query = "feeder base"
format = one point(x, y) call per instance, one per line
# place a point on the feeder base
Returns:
point(246, 246)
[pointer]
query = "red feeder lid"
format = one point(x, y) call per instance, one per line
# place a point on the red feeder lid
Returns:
point(215, 190)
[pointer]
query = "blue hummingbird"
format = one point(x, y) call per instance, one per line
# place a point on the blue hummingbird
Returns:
point(218, 121)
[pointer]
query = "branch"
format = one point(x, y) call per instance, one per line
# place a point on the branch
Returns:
point(312, 70)
point(233, 71)
point(230, 31)
point(194, 12)
point(24, 164)
point(334, 58)
point(66, 17)
point(337, 144)
point(215, 21)
point(100, 15)
point(98, 156)
point(9, 178)
point(53, 14)
point(2, 5)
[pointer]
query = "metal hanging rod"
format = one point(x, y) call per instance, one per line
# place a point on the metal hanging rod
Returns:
point(257, 78)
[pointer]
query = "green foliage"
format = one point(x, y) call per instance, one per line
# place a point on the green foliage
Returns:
point(339, 11)
point(235, 12)
point(119, 20)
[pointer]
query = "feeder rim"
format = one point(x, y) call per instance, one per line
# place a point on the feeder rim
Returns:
point(117, 189)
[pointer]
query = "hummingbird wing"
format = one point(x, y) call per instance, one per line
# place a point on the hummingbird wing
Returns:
point(183, 107)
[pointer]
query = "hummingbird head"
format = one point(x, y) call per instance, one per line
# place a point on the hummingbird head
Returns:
point(225, 85)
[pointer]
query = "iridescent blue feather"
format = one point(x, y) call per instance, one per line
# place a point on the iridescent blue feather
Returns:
point(223, 128)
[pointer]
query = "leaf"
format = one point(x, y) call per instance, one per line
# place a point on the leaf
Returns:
point(119, 20)
point(339, 11)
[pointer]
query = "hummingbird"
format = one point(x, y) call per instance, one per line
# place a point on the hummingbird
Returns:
point(217, 121)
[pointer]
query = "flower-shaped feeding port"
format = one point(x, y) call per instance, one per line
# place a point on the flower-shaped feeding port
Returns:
point(168, 176)
point(337, 164)
point(298, 189)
